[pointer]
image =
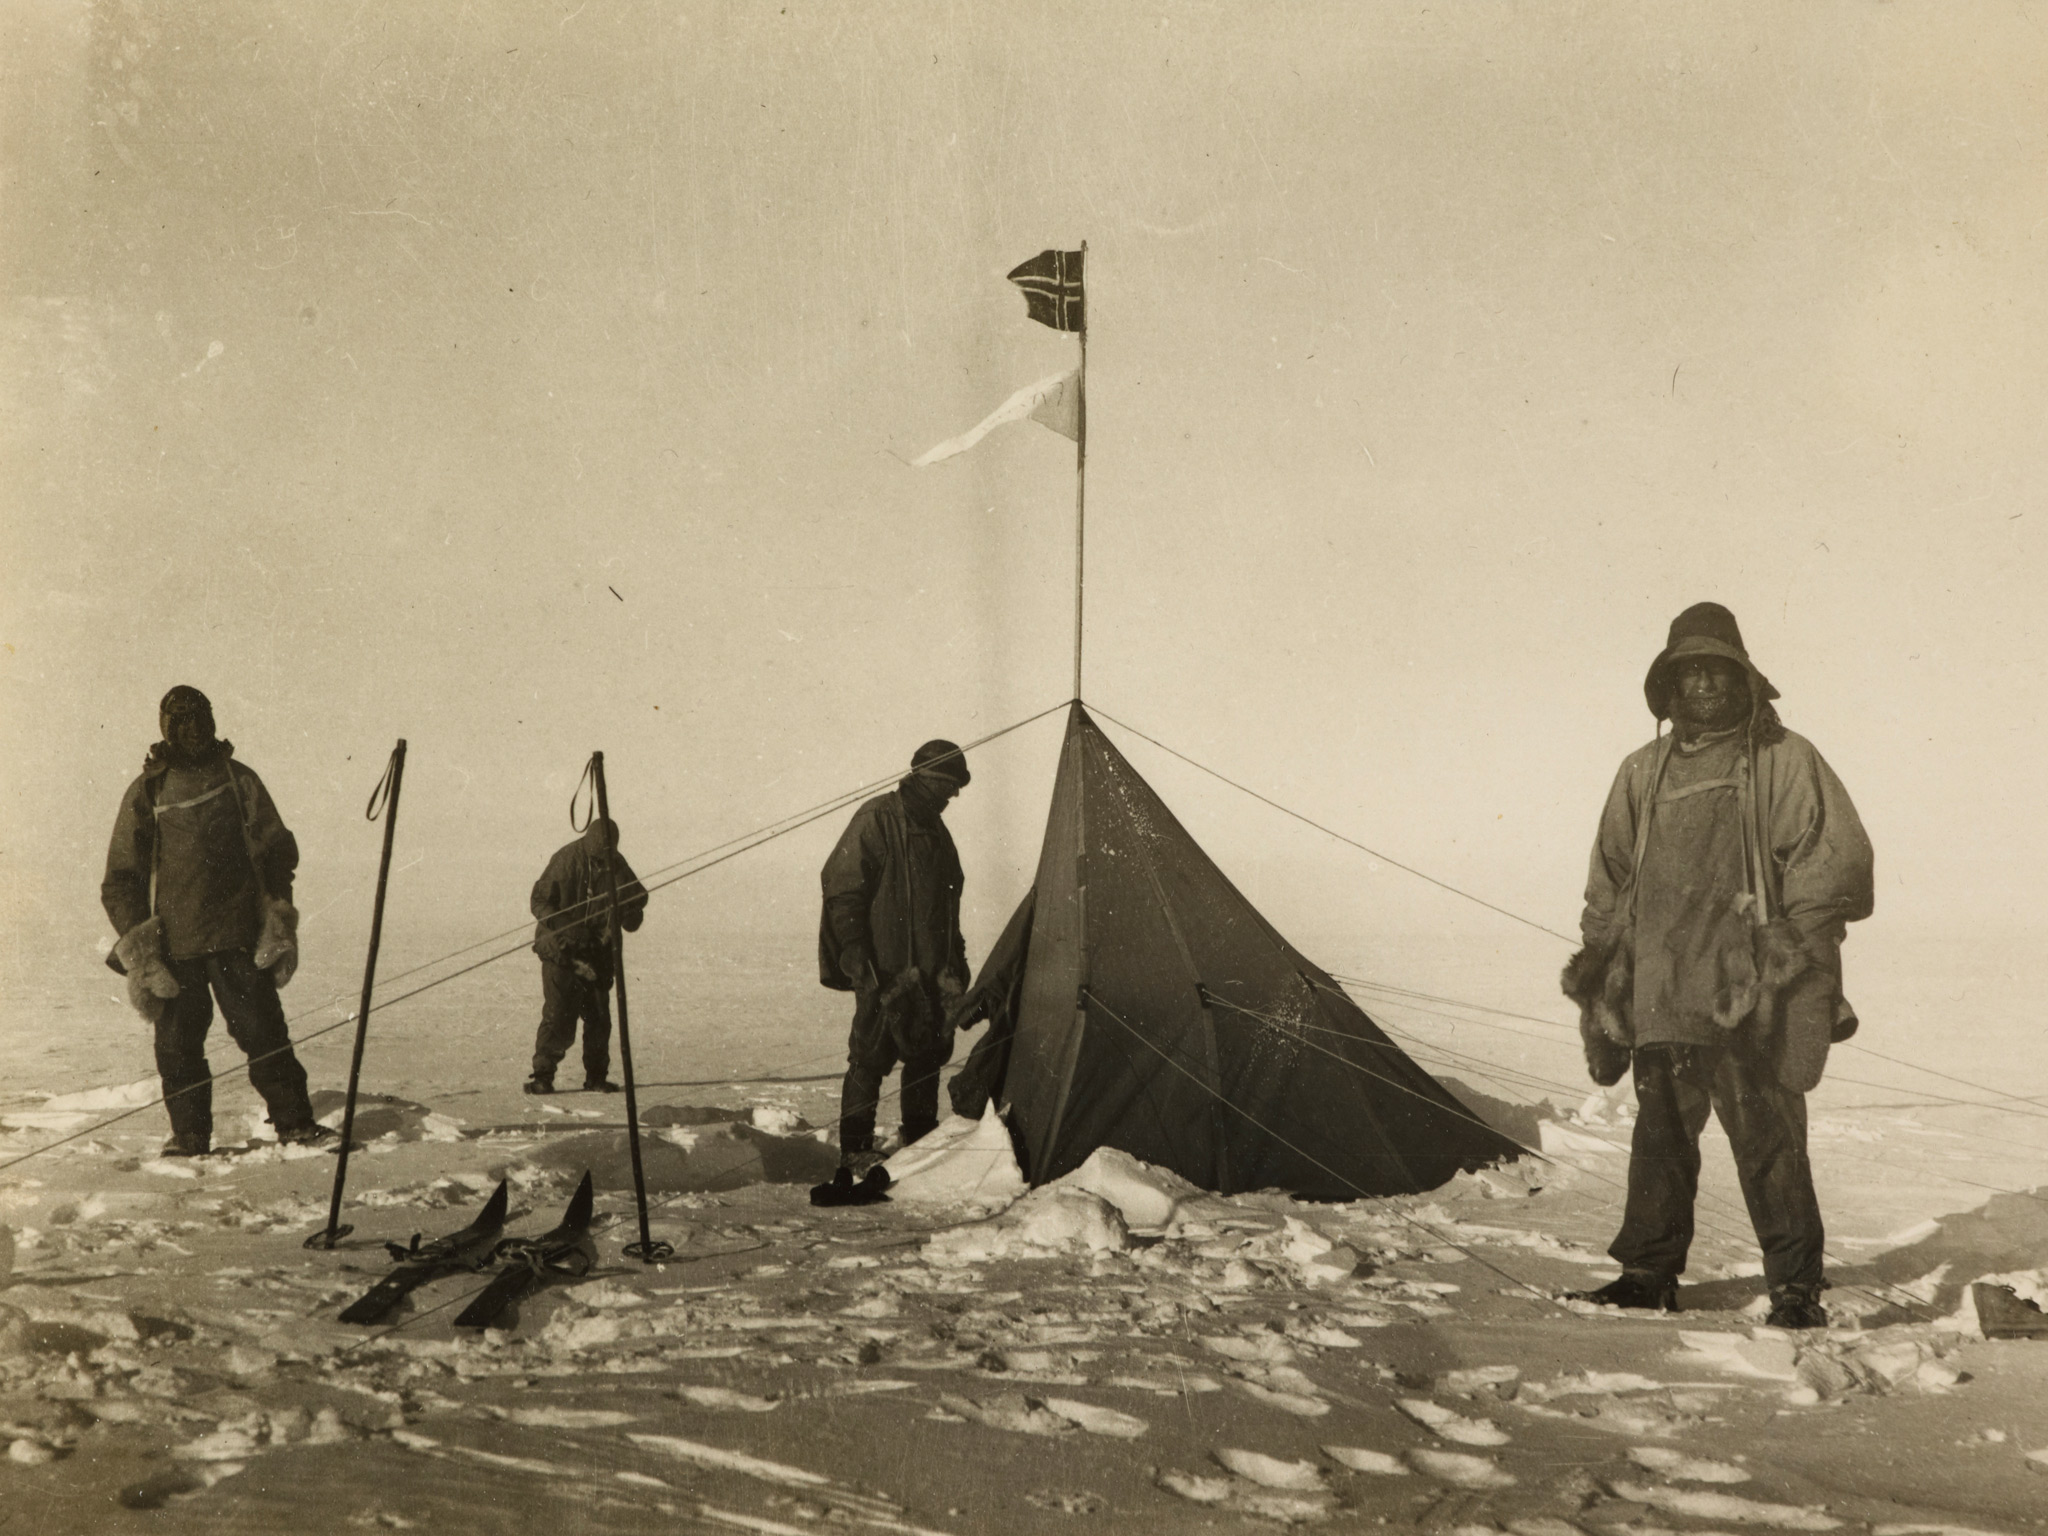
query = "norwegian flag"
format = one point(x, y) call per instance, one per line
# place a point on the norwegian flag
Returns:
point(1051, 281)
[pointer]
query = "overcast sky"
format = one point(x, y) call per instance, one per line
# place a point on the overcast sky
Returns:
point(524, 379)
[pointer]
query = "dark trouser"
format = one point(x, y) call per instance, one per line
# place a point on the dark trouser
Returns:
point(871, 1051)
point(255, 1020)
point(1766, 1126)
point(565, 999)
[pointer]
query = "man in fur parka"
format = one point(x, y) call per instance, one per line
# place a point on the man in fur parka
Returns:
point(889, 932)
point(199, 887)
point(573, 937)
point(1728, 862)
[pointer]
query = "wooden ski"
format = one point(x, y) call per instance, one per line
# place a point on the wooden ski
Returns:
point(533, 1263)
point(469, 1249)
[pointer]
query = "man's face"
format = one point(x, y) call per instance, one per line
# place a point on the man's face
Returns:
point(942, 788)
point(191, 732)
point(1709, 693)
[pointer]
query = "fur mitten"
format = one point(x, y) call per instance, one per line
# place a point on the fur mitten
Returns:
point(1790, 994)
point(150, 982)
point(1601, 979)
point(277, 947)
point(1782, 956)
point(1846, 1022)
point(1752, 983)
point(1806, 1025)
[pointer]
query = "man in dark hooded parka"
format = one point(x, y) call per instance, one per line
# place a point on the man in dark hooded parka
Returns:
point(198, 885)
point(573, 938)
point(890, 934)
point(1728, 863)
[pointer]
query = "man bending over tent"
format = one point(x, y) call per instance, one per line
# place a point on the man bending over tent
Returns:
point(890, 934)
point(1728, 861)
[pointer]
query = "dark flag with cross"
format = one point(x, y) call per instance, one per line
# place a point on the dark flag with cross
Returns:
point(1051, 281)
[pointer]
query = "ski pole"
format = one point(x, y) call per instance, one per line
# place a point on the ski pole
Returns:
point(387, 787)
point(647, 1250)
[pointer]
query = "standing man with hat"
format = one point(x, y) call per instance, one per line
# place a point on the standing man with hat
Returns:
point(890, 934)
point(199, 887)
point(1728, 862)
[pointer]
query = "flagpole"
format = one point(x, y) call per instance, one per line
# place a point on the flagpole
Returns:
point(1080, 483)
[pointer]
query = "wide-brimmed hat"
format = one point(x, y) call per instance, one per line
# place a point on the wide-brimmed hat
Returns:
point(943, 759)
point(1704, 629)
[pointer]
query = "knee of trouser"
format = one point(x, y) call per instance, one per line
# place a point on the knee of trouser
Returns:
point(866, 1077)
point(180, 1050)
point(177, 1070)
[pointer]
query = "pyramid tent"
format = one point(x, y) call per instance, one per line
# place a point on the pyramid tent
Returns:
point(1137, 1000)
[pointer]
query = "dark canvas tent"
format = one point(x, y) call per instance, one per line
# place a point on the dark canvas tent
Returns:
point(1138, 1001)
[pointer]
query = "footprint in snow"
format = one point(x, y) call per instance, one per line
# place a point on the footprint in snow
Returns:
point(1271, 1472)
point(1098, 1421)
point(1297, 1403)
point(1265, 1347)
point(1460, 1469)
point(1454, 1427)
point(1247, 1498)
point(1499, 1379)
point(1723, 1506)
point(1077, 1502)
point(726, 1398)
point(1359, 1459)
point(1691, 1469)
point(1051, 1416)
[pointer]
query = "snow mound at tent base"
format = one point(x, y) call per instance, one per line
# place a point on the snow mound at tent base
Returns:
point(1052, 1222)
point(1158, 1202)
point(1146, 1197)
point(963, 1162)
point(1095, 1209)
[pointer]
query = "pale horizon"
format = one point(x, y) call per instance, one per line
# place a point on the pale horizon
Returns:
point(529, 381)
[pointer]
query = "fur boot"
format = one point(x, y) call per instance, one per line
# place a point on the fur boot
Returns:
point(1601, 979)
point(277, 947)
point(150, 982)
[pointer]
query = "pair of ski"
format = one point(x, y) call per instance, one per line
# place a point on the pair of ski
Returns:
point(530, 1263)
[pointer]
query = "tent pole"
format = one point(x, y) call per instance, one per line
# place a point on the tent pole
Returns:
point(389, 786)
point(1080, 484)
point(648, 1250)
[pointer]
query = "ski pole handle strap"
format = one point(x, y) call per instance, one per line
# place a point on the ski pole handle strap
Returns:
point(380, 797)
point(588, 781)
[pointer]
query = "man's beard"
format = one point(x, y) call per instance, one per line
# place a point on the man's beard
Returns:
point(1701, 717)
point(197, 757)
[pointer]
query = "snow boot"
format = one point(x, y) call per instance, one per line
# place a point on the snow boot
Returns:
point(191, 1112)
point(844, 1189)
point(1637, 1289)
point(1796, 1306)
